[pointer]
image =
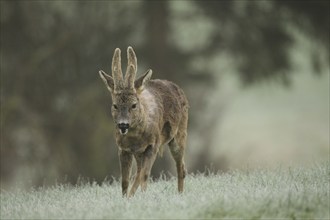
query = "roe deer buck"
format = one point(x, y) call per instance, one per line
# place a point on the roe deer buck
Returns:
point(148, 114)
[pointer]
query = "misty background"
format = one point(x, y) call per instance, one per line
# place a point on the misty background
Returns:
point(256, 74)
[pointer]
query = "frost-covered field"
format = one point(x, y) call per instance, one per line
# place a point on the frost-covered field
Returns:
point(300, 192)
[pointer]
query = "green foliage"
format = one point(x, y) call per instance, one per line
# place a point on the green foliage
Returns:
point(298, 192)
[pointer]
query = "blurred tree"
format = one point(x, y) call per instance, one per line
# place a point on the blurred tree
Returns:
point(55, 115)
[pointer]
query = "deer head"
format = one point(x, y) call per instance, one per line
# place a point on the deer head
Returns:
point(126, 110)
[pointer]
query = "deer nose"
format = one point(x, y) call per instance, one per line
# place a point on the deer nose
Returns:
point(123, 125)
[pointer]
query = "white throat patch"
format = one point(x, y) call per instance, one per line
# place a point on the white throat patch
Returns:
point(149, 99)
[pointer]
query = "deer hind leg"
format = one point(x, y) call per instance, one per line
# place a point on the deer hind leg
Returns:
point(177, 147)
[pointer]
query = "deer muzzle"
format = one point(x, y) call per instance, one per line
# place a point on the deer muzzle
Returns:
point(123, 128)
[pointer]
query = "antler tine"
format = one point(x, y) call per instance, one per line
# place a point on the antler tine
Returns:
point(131, 67)
point(131, 57)
point(116, 67)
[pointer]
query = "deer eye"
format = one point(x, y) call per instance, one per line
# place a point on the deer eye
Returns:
point(134, 106)
point(115, 106)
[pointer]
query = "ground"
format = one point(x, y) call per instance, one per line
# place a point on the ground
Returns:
point(282, 192)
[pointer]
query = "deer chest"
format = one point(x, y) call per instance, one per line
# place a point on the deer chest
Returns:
point(134, 144)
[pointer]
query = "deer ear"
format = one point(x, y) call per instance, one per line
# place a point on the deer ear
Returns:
point(107, 79)
point(142, 81)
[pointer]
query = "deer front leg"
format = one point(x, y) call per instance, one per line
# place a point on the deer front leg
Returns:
point(137, 179)
point(144, 163)
point(150, 155)
point(125, 166)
